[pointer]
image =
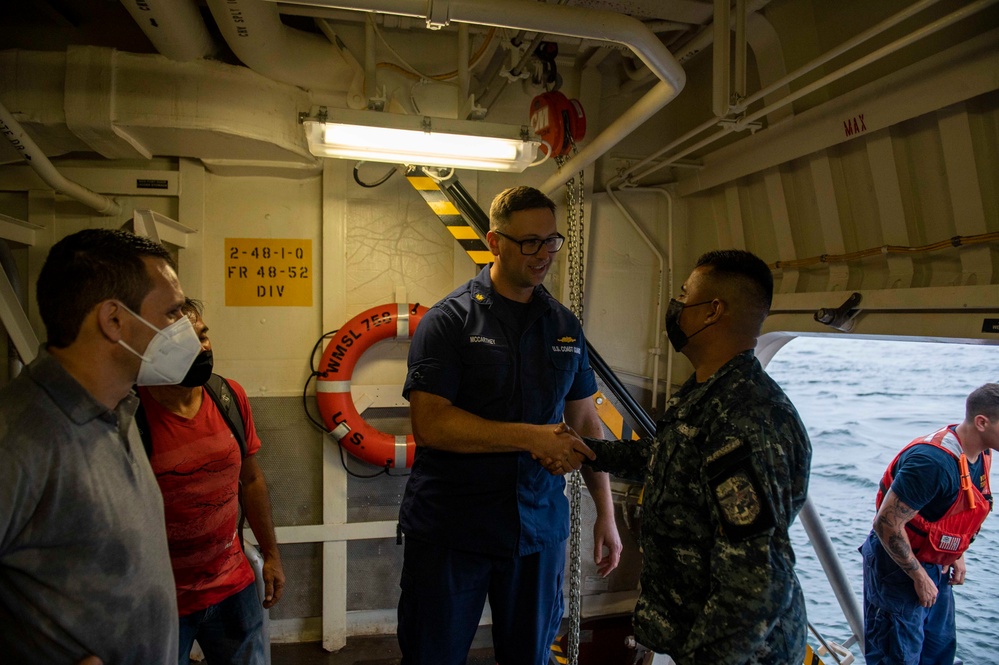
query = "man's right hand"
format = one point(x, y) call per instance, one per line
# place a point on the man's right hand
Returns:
point(559, 449)
point(91, 660)
point(889, 525)
point(925, 589)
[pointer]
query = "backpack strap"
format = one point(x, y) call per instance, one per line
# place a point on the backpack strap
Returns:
point(221, 393)
point(142, 424)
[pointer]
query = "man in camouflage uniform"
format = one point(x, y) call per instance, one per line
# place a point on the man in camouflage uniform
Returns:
point(724, 478)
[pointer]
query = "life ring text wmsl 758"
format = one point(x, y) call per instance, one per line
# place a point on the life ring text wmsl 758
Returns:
point(340, 416)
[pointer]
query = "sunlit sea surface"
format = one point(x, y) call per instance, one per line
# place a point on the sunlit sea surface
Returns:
point(861, 401)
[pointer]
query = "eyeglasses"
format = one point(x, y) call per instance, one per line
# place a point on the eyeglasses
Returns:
point(532, 246)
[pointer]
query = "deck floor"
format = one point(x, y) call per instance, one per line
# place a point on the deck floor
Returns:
point(359, 651)
point(602, 642)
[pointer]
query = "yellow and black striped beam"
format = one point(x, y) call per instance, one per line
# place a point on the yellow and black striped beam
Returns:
point(612, 418)
point(434, 193)
point(811, 658)
point(557, 654)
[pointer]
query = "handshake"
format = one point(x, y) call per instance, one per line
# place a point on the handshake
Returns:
point(559, 450)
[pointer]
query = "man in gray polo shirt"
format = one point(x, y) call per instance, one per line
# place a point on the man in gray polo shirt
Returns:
point(84, 565)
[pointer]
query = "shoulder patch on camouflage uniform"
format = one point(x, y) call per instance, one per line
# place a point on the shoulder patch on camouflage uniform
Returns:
point(738, 500)
point(742, 504)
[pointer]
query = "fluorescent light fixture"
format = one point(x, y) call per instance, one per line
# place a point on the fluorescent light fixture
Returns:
point(421, 141)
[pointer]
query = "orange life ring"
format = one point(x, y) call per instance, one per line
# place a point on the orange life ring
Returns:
point(339, 413)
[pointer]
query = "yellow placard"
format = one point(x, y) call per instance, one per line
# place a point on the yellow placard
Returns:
point(268, 272)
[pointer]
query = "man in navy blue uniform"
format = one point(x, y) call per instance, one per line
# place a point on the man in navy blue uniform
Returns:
point(931, 502)
point(494, 370)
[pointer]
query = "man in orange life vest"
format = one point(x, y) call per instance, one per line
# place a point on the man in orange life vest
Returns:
point(932, 501)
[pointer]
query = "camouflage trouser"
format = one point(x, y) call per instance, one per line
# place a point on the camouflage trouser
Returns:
point(785, 644)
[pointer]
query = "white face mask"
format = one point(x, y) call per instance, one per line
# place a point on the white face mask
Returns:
point(169, 353)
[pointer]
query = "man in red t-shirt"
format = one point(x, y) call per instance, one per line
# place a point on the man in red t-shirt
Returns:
point(199, 467)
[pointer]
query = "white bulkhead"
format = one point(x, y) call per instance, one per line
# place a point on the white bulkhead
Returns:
point(852, 145)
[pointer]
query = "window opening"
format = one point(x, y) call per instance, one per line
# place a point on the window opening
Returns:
point(861, 402)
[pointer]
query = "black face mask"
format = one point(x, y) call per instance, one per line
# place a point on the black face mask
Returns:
point(674, 332)
point(200, 372)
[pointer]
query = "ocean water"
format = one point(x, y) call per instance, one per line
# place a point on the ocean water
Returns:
point(861, 401)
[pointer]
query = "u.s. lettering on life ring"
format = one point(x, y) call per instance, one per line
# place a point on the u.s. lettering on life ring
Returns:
point(340, 416)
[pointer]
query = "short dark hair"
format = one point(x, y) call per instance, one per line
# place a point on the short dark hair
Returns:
point(193, 306)
point(745, 266)
point(983, 401)
point(89, 267)
point(749, 272)
point(514, 200)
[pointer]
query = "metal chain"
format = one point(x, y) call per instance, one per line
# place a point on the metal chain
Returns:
point(574, 242)
point(575, 565)
point(574, 215)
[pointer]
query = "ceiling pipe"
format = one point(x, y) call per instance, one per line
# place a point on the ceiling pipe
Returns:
point(650, 103)
point(357, 97)
point(658, 26)
point(496, 87)
point(255, 33)
point(657, 350)
point(409, 23)
point(720, 76)
point(8, 266)
point(35, 158)
point(706, 36)
point(697, 44)
point(464, 76)
point(739, 68)
point(721, 65)
point(175, 27)
point(561, 20)
point(371, 62)
point(630, 175)
point(633, 174)
point(498, 84)
point(876, 30)
point(15, 321)
point(491, 72)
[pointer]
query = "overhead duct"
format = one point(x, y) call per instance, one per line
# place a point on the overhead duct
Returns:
point(89, 101)
point(234, 120)
point(554, 19)
point(255, 33)
point(175, 27)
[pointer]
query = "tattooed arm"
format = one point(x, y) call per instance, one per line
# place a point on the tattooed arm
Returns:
point(889, 525)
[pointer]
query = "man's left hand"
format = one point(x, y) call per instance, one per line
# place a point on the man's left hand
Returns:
point(956, 571)
point(273, 582)
point(605, 535)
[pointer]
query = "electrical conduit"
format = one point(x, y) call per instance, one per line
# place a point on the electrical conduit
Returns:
point(635, 172)
point(31, 153)
point(569, 21)
point(657, 350)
